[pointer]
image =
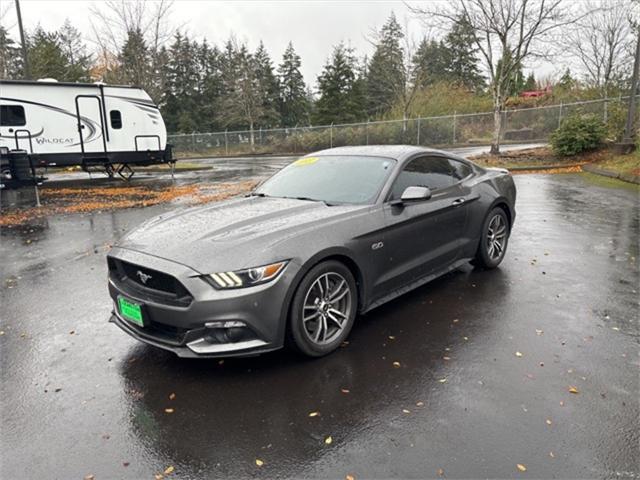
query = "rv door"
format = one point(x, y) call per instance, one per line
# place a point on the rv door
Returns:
point(90, 124)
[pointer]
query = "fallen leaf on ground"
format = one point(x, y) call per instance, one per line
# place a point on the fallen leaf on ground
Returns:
point(345, 390)
point(349, 477)
point(573, 390)
point(442, 380)
point(446, 358)
point(168, 410)
point(169, 470)
point(440, 472)
point(172, 396)
point(125, 464)
point(404, 410)
point(158, 476)
point(548, 422)
point(328, 440)
point(455, 320)
point(465, 338)
point(518, 354)
point(391, 337)
point(552, 455)
point(521, 467)
point(419, 404)
point(89, 477)
point(539, 332)
point(259, 462)
point(396, 364)
point(314, 414)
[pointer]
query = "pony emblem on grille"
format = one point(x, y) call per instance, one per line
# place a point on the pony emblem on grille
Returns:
point(143, 277)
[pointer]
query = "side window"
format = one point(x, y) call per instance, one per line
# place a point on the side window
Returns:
point(116, 119)
point(433, 172)
point(12, 116)
point(462, 170)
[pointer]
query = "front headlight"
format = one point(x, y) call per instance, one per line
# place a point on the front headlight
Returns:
point(246, 278)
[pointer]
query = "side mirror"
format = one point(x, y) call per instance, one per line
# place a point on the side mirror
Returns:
point(415, 194)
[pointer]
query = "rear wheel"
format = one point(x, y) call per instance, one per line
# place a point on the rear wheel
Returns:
point(323, 309)
point(494, 239)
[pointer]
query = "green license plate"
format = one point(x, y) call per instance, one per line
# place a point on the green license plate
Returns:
point(130, 311)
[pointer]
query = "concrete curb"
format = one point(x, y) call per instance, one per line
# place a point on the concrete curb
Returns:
point(625, 177)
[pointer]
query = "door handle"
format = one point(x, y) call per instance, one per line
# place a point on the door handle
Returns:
point(458, 202)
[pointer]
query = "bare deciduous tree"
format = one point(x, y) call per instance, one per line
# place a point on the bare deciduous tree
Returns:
point(507, 33)
point(114, 20)
point(603, 41)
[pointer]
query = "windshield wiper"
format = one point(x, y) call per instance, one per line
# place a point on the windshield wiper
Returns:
point(311, 200)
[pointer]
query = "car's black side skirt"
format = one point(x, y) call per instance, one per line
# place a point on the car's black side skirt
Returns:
point(415, 284)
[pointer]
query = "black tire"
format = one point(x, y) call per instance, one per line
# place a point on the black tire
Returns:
point(486, 256)
point(301, 332)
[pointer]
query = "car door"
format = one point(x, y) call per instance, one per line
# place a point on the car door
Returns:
point(424, 237)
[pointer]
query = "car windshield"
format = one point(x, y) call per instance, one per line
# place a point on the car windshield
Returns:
point(331, 179)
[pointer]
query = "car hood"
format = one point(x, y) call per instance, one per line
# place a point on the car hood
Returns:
point(232, 234)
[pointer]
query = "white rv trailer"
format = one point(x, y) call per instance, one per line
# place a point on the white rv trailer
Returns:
point(97, 125)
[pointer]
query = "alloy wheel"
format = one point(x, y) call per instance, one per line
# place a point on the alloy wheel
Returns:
point(496, 237)
point(326, 308)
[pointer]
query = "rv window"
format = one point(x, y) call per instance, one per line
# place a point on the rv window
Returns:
point(116, 119)
point(12, 116)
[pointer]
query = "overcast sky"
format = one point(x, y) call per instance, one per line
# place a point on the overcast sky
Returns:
point(313, 26)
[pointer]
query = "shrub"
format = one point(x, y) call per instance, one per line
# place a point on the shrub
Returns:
point(577, 134)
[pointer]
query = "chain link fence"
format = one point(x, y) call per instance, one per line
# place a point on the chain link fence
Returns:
point(518, 125)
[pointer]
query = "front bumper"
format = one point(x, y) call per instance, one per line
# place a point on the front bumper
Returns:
point(180, 326)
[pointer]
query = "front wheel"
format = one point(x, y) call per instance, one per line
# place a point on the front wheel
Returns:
point(323, 309)
point(493, 240)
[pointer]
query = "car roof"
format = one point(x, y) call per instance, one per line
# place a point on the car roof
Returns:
point(397, 152)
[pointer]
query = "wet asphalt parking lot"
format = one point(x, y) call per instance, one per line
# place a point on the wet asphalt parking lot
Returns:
point(468, 376)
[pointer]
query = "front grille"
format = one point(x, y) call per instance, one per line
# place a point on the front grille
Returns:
point(148, 283)
point(147, 278)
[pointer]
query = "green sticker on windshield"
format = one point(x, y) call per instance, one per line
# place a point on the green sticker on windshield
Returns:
point(306, 161)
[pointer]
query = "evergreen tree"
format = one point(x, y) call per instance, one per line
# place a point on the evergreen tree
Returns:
point(268, 86)
point(567, 82)
point(10, 56)
point(463, 68)
point(244, 91)
point(514, 82)
point(47, 59)
point(294, 104)
point(386, 74)
point(210, 87)
point(181, 91)
point(452, 60)
point(75, 51)
point(530, 83)
point(340, 92)
point(134, 60)
point(431, 63)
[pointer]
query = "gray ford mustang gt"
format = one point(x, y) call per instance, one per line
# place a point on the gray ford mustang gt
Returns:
point(332, 235)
